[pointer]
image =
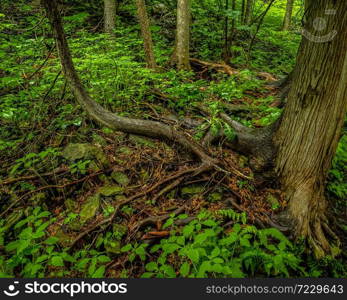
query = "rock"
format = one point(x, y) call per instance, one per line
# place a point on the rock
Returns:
point(139, 140)
point(90, 208)
point(75, 151)
point(120, 178)
point(111, 190)
point(273, 201)
point(192, 190)
point(215, 197)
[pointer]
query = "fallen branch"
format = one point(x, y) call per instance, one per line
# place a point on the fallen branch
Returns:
point(223, 68)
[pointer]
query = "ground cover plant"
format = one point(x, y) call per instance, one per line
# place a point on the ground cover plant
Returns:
point(139, 140)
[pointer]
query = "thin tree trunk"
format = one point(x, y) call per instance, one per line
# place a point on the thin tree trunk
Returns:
point(243, 6)
point(226, 50)
point(248, 12)
point(229, 34)
point(109, 16)
point(146, 33)
point(288, 15)
point(183, 33)
point(311, 124)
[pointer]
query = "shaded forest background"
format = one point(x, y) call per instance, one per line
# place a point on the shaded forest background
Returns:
point(80, 200)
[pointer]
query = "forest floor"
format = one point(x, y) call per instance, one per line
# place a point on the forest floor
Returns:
point(80, 200)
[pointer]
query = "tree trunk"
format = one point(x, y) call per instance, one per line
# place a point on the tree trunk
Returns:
point(248, 12)
point(146, 33)
point(183, 29)
point(288, 15)
point(311, 124)
point(229, 34)
point(226, 48)
point(243, 5)
point(109, 16)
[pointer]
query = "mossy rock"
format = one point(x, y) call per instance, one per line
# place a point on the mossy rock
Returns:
point(120, 178)
point(111, 190)
point(273, 201)
point(141, 141)
point(90, 208)
point(192, 190)
point(76, 151)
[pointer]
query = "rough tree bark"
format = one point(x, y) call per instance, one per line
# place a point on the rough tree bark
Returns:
point(109, 16)
point(146, 33)
point(310, 127)
point(182, 34)
point(288, 15)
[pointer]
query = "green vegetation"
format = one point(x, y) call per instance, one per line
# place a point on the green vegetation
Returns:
point(61, 173)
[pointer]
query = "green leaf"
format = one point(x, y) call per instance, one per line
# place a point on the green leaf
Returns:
point(51, 240)
point(170, 248)
point(168, 270)
point(57, 261)
point(193, 255)
point(184, 270)
point(103, 259)
point(99, 273)
point(147, 275)
point(215, 252)
point(152, 266)
point(188, 230)
point(126, 248)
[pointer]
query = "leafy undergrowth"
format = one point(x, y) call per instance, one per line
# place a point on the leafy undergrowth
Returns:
point(62, 177)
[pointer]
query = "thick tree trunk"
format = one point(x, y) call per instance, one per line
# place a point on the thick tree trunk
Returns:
point(288, 15)
point(109, 16)
point(248, 12)
point(183, 32)
point(146, 33)
point(310, 127)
